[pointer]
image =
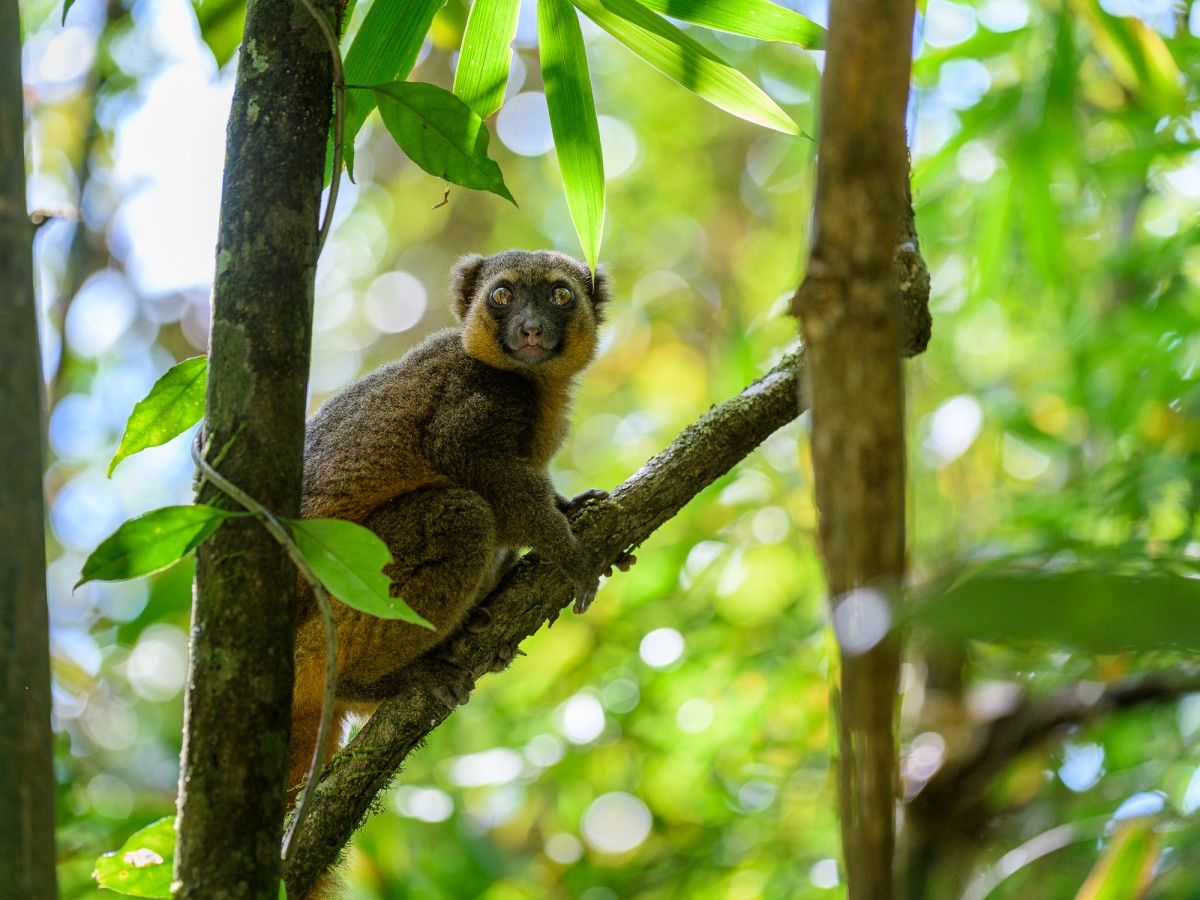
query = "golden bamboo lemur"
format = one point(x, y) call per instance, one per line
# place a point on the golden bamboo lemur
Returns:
point(444, 454)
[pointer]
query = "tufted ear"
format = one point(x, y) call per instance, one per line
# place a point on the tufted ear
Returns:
point(600, 287)
point(463, 282)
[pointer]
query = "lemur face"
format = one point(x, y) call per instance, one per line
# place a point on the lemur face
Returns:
point(529, 310)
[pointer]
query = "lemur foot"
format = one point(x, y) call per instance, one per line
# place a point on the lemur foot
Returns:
point(480, 620)
point(505, 654)
point(454, 690)
point(624, 563)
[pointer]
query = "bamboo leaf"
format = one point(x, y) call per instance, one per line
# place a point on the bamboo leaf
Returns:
point(685, 61)
point(142, 867)
point(174, 404)
point(349, 560)
point(440, 134)
point(152, 542)
point(573, 120)
point(1095, 610)
point(1125, 870)
point(753, 18)
point(486, 55)
point(384, 49)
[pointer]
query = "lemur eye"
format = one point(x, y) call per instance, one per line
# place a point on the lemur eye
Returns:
point(501, 296)
point(562, 296)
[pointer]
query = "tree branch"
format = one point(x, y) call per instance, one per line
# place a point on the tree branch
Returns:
point(533, 593)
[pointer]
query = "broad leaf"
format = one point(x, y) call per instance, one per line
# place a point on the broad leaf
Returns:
point(440, 134)
point(682, 59)
point(385, 48)
point(1098, 611)
point(753, 18)
point(573, 120)
point(349, 560)
point(483, 64)
point(153, 541)
point(221, 25)
point(142, 867)
point(174, 404)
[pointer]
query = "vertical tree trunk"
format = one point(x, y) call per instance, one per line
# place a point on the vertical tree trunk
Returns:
point(26, 768)
point(238, 701)
point(852, 328)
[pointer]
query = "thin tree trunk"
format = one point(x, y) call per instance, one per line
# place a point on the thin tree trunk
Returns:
point(26, 768)
point(851, 315)
point(237, 712)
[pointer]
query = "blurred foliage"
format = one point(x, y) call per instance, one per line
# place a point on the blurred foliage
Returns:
point(1055, 415)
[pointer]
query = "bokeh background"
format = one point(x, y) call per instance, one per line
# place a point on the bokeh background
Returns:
point(675, 740)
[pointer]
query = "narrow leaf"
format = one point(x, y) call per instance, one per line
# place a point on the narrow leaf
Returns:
point(153, 541)
point(349, 560)
point(142, 867)
point(1127, 866)
point(573, 120)
point(174, 404)
point(486, 55)
point(440, 134)
point(1098, 611)
point(67, 4)
point(753, 18)
point(384, 49)
point(685, 61)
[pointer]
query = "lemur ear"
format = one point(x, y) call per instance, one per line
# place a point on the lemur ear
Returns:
point(600, 287)
point(463, 281)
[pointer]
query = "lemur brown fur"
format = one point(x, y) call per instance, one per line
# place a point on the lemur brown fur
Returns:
point(444, 454)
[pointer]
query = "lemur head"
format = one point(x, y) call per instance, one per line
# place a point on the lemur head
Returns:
point(533, 311)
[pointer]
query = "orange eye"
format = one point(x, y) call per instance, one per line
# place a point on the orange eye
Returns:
point(501, 296)
point(562, 296)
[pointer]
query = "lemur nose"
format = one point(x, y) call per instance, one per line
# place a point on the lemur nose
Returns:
point(531, 329)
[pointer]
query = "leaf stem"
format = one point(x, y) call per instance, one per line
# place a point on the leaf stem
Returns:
point(281, 534)
point(339, 119)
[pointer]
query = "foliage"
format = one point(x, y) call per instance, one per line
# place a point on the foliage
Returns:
point(142, 867)
point(1055, 180)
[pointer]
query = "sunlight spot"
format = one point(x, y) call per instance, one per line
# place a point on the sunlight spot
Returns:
point(616, 823)
point(661, 647)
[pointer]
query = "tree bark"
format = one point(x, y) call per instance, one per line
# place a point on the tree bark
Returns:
point(851, 316)
point(27, 794)
point(237, 709)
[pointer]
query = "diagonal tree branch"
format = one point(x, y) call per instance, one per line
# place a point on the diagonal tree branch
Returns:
point(533, 593)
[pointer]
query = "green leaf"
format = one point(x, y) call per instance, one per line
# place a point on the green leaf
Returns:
point(482, 72)
point(221, 25)
point(174, 404)
point(685, 61)
point(573, 120)
point(153, 541)
point(67, 4)
point(1127, 866)
point(349, 560)
point(142, 867)
point(385, 48)
point(1094, 610)
point(440, 134)
point(752, 18)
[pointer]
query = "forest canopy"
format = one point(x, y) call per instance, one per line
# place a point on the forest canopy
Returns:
point(676, 740)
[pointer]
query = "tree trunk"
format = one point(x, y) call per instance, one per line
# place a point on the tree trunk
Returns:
point(851, 314)
point(26, 767)
point(238, 705)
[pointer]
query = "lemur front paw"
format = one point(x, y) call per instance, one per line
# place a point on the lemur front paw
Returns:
point(454, 688)
point(574, 506)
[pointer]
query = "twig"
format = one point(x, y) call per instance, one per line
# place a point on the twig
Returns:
point(339, 119)
point(281, 534)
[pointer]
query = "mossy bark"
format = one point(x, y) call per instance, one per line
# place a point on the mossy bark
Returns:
point(237, 710)
point(852, 307)
point(26, 769)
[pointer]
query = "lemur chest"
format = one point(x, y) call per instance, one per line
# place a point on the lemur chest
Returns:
point(550, 425)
